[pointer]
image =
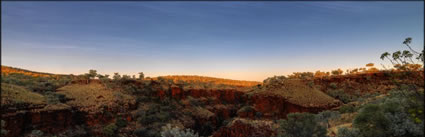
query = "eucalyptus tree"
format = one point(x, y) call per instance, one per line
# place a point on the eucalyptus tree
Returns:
point(396, 57)
point(116, 76)
point(404, 58)
point(92, 74)
point(407, 41)
point(386, 55)
point(407, 54)
point(141, 75)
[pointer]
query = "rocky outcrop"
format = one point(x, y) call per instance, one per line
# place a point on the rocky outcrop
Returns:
point(244, 128)
point(382, 81)
point(55, 120)
point(223, 96)
point(276, 107)
point(48, 121)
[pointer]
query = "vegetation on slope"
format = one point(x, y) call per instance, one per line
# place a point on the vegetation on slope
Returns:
point(94, 96)
point(5, 70)
point(12, 94)
point(36, 84)
point(212, 80)
point(295, 91)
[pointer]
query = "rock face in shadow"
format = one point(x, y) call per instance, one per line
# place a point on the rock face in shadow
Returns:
point(275, 107)
point(371, 82)
point(231, 96)
point(48, 121)
point(53, 121)
point(239, 128)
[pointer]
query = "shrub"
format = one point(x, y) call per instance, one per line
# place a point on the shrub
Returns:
point(121, 122)
point(246, 109)
point(258, 114)
point(193, 101)
point(147, 119)
point(140, 132)
point(3, 131)
point(401, 124)
point(163, 116)
point(301, 125)
point(341, 95)
point(327, 115)
point(388, 118)
point(347, 109)
point(54, 98)
point(36, 133)
point(77, 131)
point(144, 132)
point(333, 85)
point(140, 99)
point(168, 131)
point(371, 121)
point(110, 129)
point(345, 132)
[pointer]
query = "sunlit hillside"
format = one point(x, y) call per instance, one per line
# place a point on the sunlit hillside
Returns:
point(204, 79)
point(8, 70)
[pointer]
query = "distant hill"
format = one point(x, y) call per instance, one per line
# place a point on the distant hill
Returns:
point(176, 78)
point(8, 70)
point(204, 79)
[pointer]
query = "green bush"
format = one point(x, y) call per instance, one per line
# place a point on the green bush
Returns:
point(110, 130)
point(147, 119)
point(163, 116)
point(345, 132)
point(325, 116)
point(347, 109)
point(121, 122)
point(388, 118)
point(258, 114)
point(145, 132)
point(3, 131)
point(371, 121)
point(140, 132)
point(54, 98)
point(333, 85)
point(301, 125)
point(341, 95)
point(37, 133)
point(140, 99)
point(168, 131)
point(246, 109)
point(194, 101)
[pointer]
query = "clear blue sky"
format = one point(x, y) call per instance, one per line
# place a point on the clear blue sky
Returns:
point(237, 40)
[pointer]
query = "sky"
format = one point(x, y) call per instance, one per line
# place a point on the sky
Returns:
point(235, 40)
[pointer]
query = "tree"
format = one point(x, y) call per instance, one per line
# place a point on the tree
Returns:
point(320, 74)
point(116, 76)
point(92, 74)
point(100, 76)
point(386, 54)
point(371, 121)
point(407, 41)
point(370, 65)
point(337, 72)
point(407, 54)
point(141, 75)
point(301, 125)
point(399, 59)
point(327, 115)
point(396, 57)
